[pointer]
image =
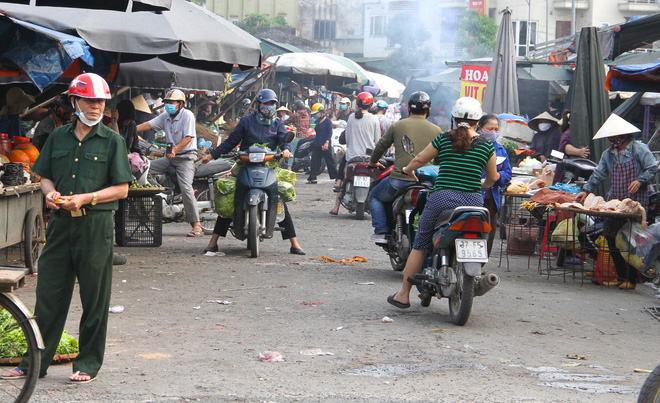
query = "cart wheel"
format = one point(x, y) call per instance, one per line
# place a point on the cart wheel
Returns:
point(33, 238)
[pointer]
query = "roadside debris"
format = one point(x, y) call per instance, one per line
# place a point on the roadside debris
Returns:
point(315, 351)
point(576, 356)
point(387, 319)
point(270, 356)
point(349, 260)
point(217, 301)
point(117, 309)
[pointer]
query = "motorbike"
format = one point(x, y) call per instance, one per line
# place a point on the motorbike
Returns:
point(398, 214)
point(453, 269)
point(357, 183)
point(302, 158)
point(257, 205)
point(204, 189)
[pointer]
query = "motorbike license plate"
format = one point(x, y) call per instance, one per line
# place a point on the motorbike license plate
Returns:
point(362, 181)
point(471, 250)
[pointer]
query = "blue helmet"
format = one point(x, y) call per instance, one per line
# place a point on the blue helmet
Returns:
point(267, 95)
point(382, 104)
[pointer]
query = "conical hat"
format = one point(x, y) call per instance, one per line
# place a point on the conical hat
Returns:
point(140, 104)
point(534, 123)
point(615, 125)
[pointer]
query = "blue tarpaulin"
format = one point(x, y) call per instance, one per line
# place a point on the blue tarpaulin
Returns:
point(635, 77)
point(44, 54)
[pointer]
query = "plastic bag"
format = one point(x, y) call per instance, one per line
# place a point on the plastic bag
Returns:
point(284, 175)
point(224, 205)
point(638, 247)
point(225, 185)
point(565, 235)
point(286, 190)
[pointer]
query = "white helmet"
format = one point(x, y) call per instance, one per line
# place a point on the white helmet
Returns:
point(466, 108)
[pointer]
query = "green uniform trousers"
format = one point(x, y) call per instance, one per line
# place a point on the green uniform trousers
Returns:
point(76, 248)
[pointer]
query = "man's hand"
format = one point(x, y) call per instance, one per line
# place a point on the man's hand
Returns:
point(376, 165)
point(114, 114)
point(76, 201)
point(286, 154)
point(50, 200)
point(580, 197)
point(206, 158)
point(324, 147)
point(170, 156)
point(634, 187)
point(583, 152)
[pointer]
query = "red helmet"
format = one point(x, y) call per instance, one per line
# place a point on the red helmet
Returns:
point(89, 85)
point(364, 100)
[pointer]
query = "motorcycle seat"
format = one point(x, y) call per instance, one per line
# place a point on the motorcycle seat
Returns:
point(444, 216)
point(359, 158)
point(212, 168)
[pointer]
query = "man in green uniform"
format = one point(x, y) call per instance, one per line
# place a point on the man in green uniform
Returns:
point(84, 172)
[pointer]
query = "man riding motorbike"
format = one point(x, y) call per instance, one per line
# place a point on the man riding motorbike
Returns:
point(406, 135)
point(259, 127)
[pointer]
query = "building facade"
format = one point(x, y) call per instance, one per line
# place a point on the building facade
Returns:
point(236, 10)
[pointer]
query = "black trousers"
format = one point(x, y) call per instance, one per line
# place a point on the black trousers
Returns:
point(624, 271)
point(317, 155)
point(222, 225)
point(342, 167)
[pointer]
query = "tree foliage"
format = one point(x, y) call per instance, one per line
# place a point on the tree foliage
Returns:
point(477, 33)
point(252, 22)
point(409, 33)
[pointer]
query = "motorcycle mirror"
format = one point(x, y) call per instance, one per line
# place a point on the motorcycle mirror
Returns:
point(408, 145)
point(289, 136)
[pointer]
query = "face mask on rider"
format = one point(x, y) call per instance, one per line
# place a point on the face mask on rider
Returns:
point(616, 141)
point(170, 108)
point(544, 127)
point(343, 107)
point(267, 111)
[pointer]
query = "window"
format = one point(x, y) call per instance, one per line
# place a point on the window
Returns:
point(520, 34)
point(404, 6)
point(377, 27)
point(234, 20)
point(324, 29)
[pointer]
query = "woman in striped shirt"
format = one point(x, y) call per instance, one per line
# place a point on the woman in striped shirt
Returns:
point(463, 156)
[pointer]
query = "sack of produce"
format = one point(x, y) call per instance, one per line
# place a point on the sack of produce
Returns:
point(637, 246)
point(286, 190)
point(224, 197)
point(565, 235)
point(284, 175)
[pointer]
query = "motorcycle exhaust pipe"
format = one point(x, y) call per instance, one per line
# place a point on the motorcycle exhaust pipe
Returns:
point(487, 282)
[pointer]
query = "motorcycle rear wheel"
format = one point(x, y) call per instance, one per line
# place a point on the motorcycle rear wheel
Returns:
point(396, 260)
point(359, 211)
point(253, 234)
point(460, 301)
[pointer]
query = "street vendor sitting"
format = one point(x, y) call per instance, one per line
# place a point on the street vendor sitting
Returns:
point(547, 136)
point(631, 166)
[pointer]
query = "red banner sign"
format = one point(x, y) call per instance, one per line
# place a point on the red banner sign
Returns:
point(474, 80)
point(479, 5)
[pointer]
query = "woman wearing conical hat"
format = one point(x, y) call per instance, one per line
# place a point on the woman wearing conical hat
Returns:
point(547, 136)
point(631, 166)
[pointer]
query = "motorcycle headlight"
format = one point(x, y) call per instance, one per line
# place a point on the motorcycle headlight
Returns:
point(257, 157)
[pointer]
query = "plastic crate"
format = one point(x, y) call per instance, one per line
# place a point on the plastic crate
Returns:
point(139, 221)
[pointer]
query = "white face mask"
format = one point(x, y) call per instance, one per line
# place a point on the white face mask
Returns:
point(81, 116)
point(544, 127)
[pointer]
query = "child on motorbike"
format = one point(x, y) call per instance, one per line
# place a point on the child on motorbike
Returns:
point(463, 155)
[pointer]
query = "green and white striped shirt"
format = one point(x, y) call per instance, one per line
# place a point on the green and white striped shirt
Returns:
point(461, 171)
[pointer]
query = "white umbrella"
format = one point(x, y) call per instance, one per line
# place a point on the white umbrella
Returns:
point(387, 86)
point(305, 67)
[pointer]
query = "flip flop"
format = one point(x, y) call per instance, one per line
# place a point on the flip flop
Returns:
point(91, 378)
point(312, 182)
point(21, 374)
point(333, 213)
point(195, 233)
point(397, 304)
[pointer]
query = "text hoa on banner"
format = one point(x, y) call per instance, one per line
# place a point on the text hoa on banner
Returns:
point(474, 80)
point(479, 5)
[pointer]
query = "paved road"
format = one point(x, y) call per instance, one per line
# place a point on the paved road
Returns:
point(175, 342)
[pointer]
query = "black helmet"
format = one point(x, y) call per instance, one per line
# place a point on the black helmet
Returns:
point(419, 103)
point(266, 95)
point(299, 105)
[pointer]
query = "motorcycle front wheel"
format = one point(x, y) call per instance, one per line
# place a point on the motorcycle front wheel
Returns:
point(460, 300)
point(253, 234)
point(207, 216)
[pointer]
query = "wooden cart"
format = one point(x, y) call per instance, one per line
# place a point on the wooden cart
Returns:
point(21, 221)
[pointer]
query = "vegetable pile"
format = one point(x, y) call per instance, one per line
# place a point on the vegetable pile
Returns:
point(135, 185)
point(12, 339)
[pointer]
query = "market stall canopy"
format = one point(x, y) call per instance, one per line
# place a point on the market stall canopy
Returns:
point(43, 54)
point(635, 34)
point(186, 34)
point(501, 94)
point(384, 86)
point(363, 77)
point(637, 72)
point(308, 68)
point(157, 73)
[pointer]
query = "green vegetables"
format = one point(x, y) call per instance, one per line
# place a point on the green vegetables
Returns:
point(12, 339)
point(135, 185)
point(224, 198)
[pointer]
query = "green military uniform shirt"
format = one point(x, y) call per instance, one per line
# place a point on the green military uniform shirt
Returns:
point(419, 131)
point(75, 167)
